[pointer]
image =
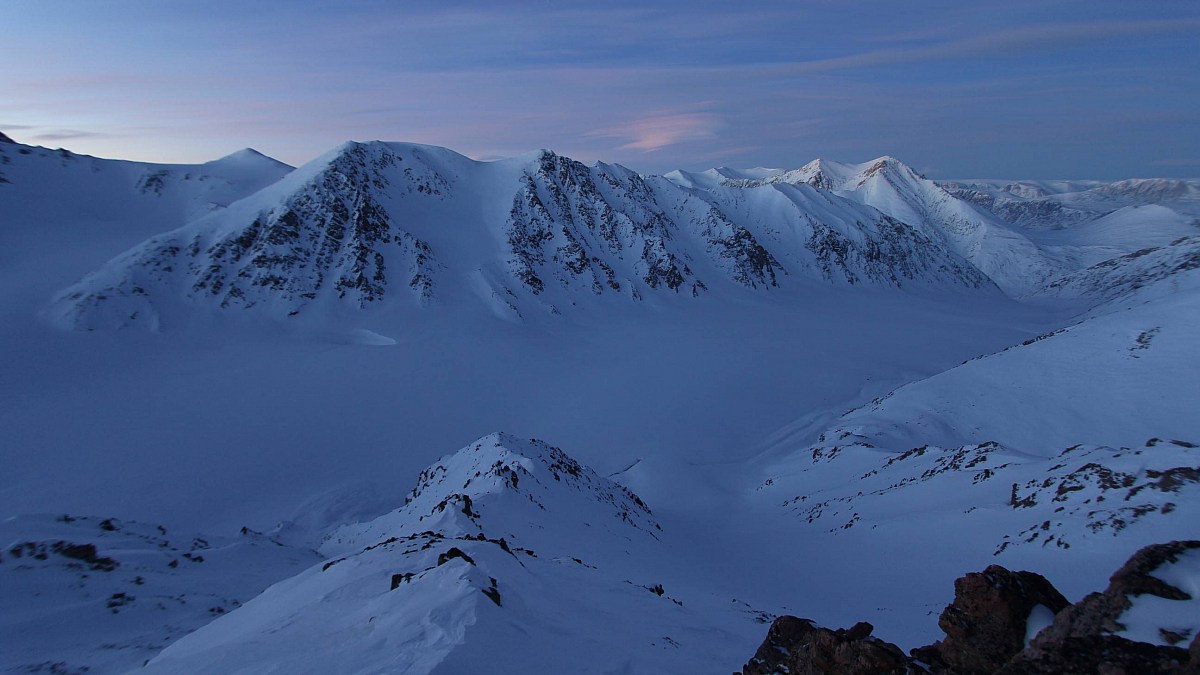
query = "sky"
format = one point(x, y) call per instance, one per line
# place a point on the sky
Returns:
point(1016, 89)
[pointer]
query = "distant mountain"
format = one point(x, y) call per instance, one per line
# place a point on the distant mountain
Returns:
point(30, 172)
point(1007, 257)
point(398, 225)
point(64, 214)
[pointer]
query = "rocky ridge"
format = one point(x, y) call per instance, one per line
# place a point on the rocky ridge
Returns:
point(495, 547)
point(1012, 623)
point(371, 223)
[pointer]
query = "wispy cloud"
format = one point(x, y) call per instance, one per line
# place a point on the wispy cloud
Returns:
point(68, 134)
point(997, 43)
point(1176, 162)
point(656, 132)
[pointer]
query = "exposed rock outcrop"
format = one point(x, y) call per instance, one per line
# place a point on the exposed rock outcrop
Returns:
point(796, 645)
point(1107, 654)
point(1087, 632)
point(988, 623)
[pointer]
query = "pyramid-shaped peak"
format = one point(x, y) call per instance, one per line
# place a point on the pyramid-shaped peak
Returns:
point(503, 484)
point(886, 162)
point(248, 158)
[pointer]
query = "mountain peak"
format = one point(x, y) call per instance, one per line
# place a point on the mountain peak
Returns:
point(525, 489)
point(248, 158)
point(6, 139)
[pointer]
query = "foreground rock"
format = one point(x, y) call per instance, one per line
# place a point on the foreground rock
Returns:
point(799, 646)
point(1098, 630)
point(986, 625)
point(995, 625)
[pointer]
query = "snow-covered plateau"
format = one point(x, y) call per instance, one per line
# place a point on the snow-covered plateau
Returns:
point(398, 410)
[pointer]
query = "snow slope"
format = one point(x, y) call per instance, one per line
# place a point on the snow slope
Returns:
point(105, 595)
point(697, 339)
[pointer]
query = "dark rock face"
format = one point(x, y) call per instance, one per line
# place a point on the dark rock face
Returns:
point(796, 645)
point(985, 625)
point(1084, 631)
point(571, 224)
point(1193, 667)
point(1106, 654)
point(6, 139)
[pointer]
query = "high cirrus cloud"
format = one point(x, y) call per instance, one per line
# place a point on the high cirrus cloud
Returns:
point(663, 130)
point(995, 43)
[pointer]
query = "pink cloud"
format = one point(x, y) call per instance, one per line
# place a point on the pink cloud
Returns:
point(649, 134)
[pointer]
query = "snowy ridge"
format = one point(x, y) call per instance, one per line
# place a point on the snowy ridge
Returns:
point(331, 238)
point(1159, 270)
point(1007, 257)
point(563, 224)
point(508, 481)
point(191, 189)
point(372, 221)
point(455, 585)
point(1043, 206)
point(842, 242)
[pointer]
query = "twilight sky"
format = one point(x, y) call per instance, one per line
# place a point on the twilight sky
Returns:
point(1014, 89)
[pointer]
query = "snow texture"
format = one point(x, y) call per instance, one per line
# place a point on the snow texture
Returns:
point(809, 378)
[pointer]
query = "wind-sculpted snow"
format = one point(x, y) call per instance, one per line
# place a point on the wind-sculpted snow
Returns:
point(500, 550)
point(386, 224)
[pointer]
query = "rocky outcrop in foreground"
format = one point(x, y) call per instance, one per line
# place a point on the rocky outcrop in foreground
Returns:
point(994, 615)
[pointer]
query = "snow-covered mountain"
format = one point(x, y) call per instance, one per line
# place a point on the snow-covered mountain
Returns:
point(389, 224)
point(1005, 255)
point(1088, 222)
point(64, 214)
point(501, 549)
point(824, 406)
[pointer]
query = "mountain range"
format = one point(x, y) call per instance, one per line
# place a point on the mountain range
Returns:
point(826, 391)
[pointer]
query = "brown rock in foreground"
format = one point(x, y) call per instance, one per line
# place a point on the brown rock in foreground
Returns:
point(1081, 638)
point(795, 645)
point(1104, 654)
point(985, 625)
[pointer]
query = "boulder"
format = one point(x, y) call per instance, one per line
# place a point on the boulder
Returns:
point(985, 625)
point(795, 645)
point(1085, 632)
